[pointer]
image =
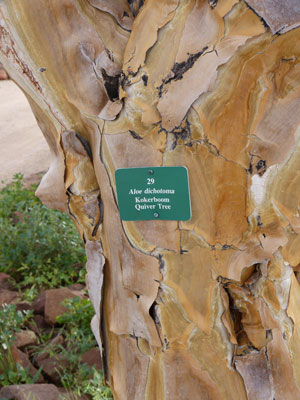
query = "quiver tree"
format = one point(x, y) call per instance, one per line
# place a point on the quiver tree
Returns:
point(201, 309)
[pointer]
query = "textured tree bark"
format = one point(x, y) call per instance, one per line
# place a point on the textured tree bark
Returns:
point(202, 309)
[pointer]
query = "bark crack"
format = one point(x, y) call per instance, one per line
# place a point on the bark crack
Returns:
point(179, 69)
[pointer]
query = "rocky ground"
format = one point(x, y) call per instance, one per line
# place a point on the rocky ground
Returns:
point(39, 356)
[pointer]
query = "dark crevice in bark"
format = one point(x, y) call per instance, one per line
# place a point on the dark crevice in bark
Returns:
point(135, 6)
point(86, 146)
point(109, 54)
point(145, 79)
point(183, 132)
point(179, 69)
point(241, 297)
point(103, 330)
point(153, 313)
point(226, 247)
point(101, 214)
point(162, 263)
point(166, 344)
point(183, 251)
point(135, 135)
point(69, 193)
point(213, 3)
point(261, 167)
point(258, 221)
point(111, 84)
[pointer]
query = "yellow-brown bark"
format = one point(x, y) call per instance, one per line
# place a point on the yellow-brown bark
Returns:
point(201, 309)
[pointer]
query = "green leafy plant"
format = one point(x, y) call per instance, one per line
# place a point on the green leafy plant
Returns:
point(80, 377)
point(38, 246)
point(11, 321)
point(76, 324)
point(95, 388)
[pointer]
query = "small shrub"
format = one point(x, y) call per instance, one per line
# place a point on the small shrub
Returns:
point(80, 377)
point(76, 324)
point(11, 321)
point(95, 388)
point(38, 246)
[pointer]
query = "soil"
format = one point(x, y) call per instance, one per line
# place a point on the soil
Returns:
point(22, 145)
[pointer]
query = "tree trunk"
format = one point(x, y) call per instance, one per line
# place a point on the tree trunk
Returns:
point(201, 309)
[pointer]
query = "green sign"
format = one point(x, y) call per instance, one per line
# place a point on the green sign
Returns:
point(153, 193)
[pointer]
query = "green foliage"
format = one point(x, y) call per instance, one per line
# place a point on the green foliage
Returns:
point(95, 388)
point(15, 374)
point(79, 376)
point(11, 321)
point(79, 314)
point(38, 246)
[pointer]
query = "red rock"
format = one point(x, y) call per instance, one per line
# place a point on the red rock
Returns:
point(8, 296)
point(25, 338)
point(23, 359)
point(53, 367)
point(39, 303)
point(5, 281)
point(76, 286)
point(57, 341)
point(39, 324)
point(92, 357)
point(30, 392)
point(16, 217)
point(24, 306)
point(53, 300)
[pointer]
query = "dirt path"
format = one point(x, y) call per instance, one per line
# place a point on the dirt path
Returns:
point(22, 145)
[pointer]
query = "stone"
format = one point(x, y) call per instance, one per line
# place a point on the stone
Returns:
point(25, 338)
point(92, 357)
point(39, 325)
point(76, 286)
point(53, 367)
point(53, 300)
point(30, 392)
point(56, 341)
point(8, 296)
point(23, 359)
point(39, 303)
point(24, 306)
point(5, 281)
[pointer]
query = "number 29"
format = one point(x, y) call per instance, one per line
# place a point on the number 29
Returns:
point(150, 181)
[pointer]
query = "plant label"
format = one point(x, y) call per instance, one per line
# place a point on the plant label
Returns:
point(160, 193)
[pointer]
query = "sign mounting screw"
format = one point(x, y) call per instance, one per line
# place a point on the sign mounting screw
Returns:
point(156, 215)
point(150, 172)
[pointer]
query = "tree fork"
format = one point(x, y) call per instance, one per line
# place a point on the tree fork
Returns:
point(200, 309)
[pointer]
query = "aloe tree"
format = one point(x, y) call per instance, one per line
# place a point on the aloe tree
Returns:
point(206, 308)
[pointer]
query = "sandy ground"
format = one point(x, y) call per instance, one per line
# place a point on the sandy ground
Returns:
point(22, 144)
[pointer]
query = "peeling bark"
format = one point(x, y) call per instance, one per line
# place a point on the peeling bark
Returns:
point(198, 309)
